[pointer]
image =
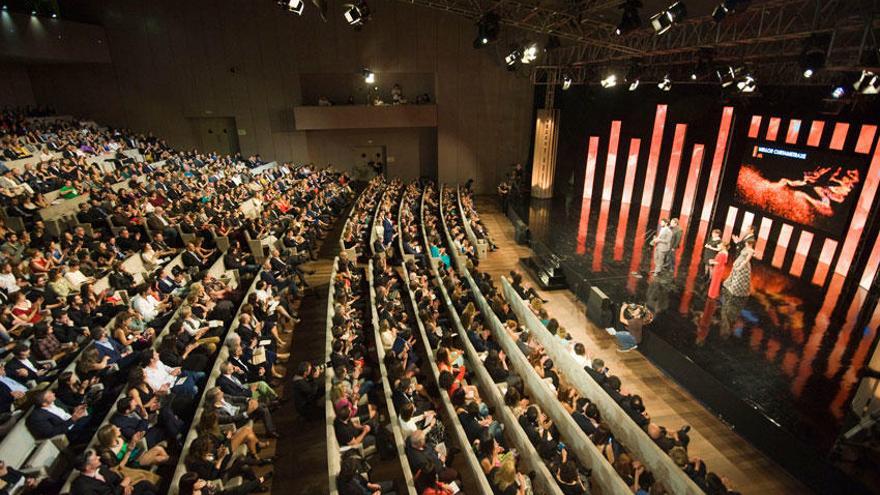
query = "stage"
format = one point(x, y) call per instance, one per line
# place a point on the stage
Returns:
point(785, 374)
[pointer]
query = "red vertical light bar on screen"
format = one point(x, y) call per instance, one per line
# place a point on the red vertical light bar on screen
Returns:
point(782, 245)
point(866, 139)
point(748, 218)
point(773, 128)
point(583, 225)
point(815, 136)
point(860, 217)
point(839, 136)
point(763, 234)
point(601, 232)
point(654, 156)
point(817, 335)
point(672, 170)
point(631, 165)
point(611, 162)
point(841, 345)
point(694, 268)
point(592, 156)
point(755, 126)
point(728, 223)
point(690, 188)
point(871, 266)
point(636, 263)
point(825, 258)
point(800, 253)
point(717, 163)
point(794, 128)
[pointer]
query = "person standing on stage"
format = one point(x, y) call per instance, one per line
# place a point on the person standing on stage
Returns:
point(674, 243)
point(718, 264)
point(710, 250)
point(737, 287)
point(662, 242)
point(748, 235)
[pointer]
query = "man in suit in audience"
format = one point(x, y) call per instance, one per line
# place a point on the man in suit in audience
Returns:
point(23, 369)
point(419, 454)
point(129, 422)
point(232, 386)
point(97, 479)
point(159, 222)
point(49, 419)
point(238, 410)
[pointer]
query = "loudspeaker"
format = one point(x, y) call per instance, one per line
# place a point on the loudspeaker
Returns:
point(599, 308)
point(522, 234)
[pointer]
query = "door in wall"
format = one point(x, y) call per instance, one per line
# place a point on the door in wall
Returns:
point(368, 161)
point(216, 134)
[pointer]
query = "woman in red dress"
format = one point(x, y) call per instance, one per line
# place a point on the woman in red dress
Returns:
point(719, 265)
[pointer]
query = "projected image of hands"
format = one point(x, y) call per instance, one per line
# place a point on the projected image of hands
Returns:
point(812, 190)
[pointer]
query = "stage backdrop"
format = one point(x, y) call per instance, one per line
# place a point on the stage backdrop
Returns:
point(692, 154)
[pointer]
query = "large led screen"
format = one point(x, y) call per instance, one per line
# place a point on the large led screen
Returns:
point(811, 187)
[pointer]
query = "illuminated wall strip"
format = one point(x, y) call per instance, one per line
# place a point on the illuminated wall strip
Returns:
point(800, 253)
point(860, 217)
point(763, 234)
point(672, 170)
point(654, 155)
point(728, 224)
point(794, 127)
point(866, 139)
point(871, 266)
point(632, 163)
point(782, 245)
point(690, 188)
point(717, 163)
point(755, 126)
point(839, 136)
point(748, 219)
point(592, 156)
point(611, 162)
point(773, 128)
point(815, 137)
point(601, 233)
point(826, 256)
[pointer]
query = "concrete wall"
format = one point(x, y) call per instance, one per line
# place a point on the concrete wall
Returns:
point(243, 59)
point(15, 86)
point(39, 39)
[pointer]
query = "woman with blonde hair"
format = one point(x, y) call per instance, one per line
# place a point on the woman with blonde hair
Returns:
point(507, 480)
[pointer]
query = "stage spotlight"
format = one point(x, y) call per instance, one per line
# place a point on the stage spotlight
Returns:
point(5, 7)
point(512, 58)
point(634, 85)
point(356, 15)
point(665, 84)
point(630, 21)
point(868, 83)
point(664, 20)
point(369, 76)
point(296, 6)
point(747, 84)
point(693, 76)
point(727, 76)
point(566, 82)
point(54, 15)
point(488, 28)
point(529, 53)
point(34, 12)
point(609, 82)
point(838, 92)
point(813, 53)
point(728, 6)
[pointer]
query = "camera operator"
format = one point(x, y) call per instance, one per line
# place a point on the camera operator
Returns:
point(633, 317)
point(308, 391)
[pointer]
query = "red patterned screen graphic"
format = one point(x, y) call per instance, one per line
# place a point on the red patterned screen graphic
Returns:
point(810, 187)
